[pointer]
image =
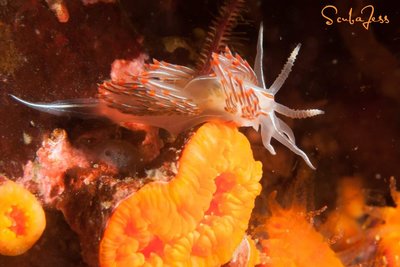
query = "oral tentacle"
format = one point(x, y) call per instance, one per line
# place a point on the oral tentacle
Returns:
point(286, 130)
point(286, 142)
point(266, 133)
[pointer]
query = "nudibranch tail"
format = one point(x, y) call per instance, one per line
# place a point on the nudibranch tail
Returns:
point(83, 107)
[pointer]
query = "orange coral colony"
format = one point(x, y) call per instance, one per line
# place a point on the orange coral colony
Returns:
point(293, 240)
point(345, 221)
point(199, 217)
point(387, 233)
point(22, 218)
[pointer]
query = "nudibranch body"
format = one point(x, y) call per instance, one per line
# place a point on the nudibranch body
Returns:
point(175, 98)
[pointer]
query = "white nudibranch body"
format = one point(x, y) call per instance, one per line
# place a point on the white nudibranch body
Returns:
point(172, 97)
point(252, 104)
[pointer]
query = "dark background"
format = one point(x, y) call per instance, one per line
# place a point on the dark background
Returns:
point(350, 72)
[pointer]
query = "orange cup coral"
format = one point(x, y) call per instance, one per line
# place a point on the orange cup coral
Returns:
point(22, 218)
point(386, 234)
point(199, 217)
point(345, 222)
point(293, 240)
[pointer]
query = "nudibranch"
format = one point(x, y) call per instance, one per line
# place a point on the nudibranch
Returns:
point(176, 98)
point(22, 219)
point(199, 217)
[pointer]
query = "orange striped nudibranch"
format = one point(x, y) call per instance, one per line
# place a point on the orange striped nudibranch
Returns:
point(175, 98)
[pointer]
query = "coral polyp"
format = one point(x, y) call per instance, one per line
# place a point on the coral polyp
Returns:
point(188, 220)
point(22, 218)
point(292, 239)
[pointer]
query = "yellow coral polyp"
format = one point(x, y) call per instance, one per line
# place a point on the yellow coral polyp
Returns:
point(22, 219)
point(199, 217)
